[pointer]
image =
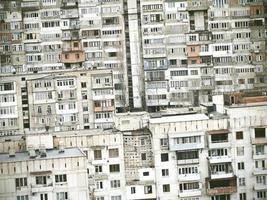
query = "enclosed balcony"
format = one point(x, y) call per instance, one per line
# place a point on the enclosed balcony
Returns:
point(197, 5)
point(218, 138)
point(186, 143)
point(69, 3)
point(73, 57)
point(30, 5)
point(220, 155)
point(190, 189)
point(187, 157)
point(259, 136)
point(221, 186)
point(259, 151)
point(221, 171)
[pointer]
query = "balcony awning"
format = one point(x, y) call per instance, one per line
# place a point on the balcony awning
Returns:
point(217, 132)
point(41, 172)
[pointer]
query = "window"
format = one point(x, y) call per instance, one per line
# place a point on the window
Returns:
point(242, 196)
point(83, 84)
point(23, 197)
point(41, 180)
point(100, 198)
point(145, 173)
point(259, 149)
point(118, 197)
point(165, 172)
point(259, 132)
point(166, 188)
point(99, 185)
point(261, 180)
point(221, 197)
point(164, 157)
point(61, 178)
point(113, 153)
point(98, 169)
point(97, 154)
point(21, 182)
point(143, 156)
point(189, 186)
point(240, 151)
point(62, 195)
point(114, 168)
point(143, 142)
point(115, 184)
point(241, 165)
point(164, 142)
point(44, 196)
point(185, 155)
point(39, 109)
point(188, 170)
point(148, 189)
point(133, 191)
point(242, 181)
point(261, 195)
point(239, 135)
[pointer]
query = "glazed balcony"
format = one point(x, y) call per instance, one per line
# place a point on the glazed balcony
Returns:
point(197, 5)
point(69, 3)
point(30, 5)
point(73, 57)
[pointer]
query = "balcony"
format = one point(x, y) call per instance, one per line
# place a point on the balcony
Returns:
point(221, 186)
point(69, 4)
point(188, 161)
point(220, 159)
point(221, 190)
point(101, 109)
point(190, 193)
point(179, 147)
point(259, 155)
point(218, 138)
point(30, 5)
point(101, 176)
point(103, 85)
point(197, 5)
point(259, 186)
point(73, 57)
point(157, 102)
point(222, 175)
point(259, 140)
point(188, 177)
point(259, 171)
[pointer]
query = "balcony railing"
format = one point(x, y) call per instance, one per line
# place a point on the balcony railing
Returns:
point(221, 190)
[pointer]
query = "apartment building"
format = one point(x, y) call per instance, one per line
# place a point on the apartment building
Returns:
point(191, 155)
point(45, 174)
point(105, 160)
point(162, 53)
point(48, 35)
point(139, 165)
point(57, 101)
point(193, 49)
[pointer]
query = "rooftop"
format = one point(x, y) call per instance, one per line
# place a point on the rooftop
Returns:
point(50, 154)
point(178, 118)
